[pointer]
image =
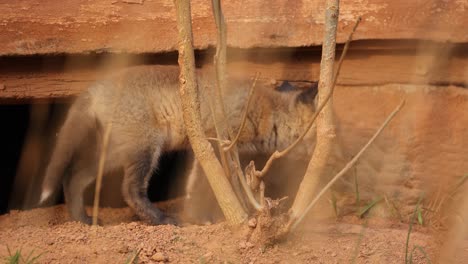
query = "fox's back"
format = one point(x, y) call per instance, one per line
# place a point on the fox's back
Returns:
point(140, 102)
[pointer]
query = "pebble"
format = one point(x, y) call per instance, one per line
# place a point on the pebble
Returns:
point(252, 223)
point(159, 256)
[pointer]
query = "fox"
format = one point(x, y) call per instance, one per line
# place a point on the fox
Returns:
point(142, 108)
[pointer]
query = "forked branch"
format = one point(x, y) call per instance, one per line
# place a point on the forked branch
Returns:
point(278, 154)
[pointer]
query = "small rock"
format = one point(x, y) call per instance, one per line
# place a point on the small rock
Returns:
point(208, 255)
point(124, 249)
point(242, 245)
point(252, 223)
point(159, 256)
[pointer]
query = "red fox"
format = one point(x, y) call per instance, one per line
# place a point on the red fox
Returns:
point(143, 105)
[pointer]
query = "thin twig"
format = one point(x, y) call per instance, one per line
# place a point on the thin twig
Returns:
point(223, 155)
point(220, 62)
point(222, 141)
point(244, 116)
point(345, 50)
point(348, 166)
point(278, 154)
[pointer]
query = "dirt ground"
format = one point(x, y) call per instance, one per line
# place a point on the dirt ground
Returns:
point(422, 151)
point(48, 231)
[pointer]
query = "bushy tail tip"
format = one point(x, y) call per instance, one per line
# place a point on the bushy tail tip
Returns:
point(45, 195)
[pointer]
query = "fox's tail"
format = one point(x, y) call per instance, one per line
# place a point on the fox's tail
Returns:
point(77, 126)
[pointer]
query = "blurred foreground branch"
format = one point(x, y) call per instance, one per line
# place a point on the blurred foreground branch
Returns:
point(202, 149)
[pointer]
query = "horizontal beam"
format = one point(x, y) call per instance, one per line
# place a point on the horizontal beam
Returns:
point(56, 77)
point(142, 26)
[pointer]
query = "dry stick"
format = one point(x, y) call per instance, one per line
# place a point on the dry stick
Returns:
point(135, 256)
point(244, 116)
point(222, 141)
point(348, 166)
point(202, 149)
point(277, 154)
point(102, 160)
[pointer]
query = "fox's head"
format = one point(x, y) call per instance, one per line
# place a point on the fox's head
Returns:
point(279, 114)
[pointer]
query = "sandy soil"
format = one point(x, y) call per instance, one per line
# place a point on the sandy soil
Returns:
point(48, 231)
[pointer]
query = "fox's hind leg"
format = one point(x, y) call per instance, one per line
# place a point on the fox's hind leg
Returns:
point(74, 186)
point(138, 171)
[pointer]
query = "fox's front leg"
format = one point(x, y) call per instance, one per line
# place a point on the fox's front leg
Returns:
point(138, 171)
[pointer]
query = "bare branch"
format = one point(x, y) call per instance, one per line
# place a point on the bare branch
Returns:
point(202, 149)
point(325, 129)
point(348, 166)
point(244, 116)
point(283, 153)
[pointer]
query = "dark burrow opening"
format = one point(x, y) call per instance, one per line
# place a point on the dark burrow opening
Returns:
point(27, 137)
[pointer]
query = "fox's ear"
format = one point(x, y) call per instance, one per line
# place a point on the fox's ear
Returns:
point(307, 96)
point(286, 86)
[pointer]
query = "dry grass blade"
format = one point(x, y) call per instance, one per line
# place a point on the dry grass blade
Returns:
point(358, 243)
point(410, 228)
point(348, 166)
point(423, 252)
point(102, 160)
point(134, 258)
point(369, 206)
